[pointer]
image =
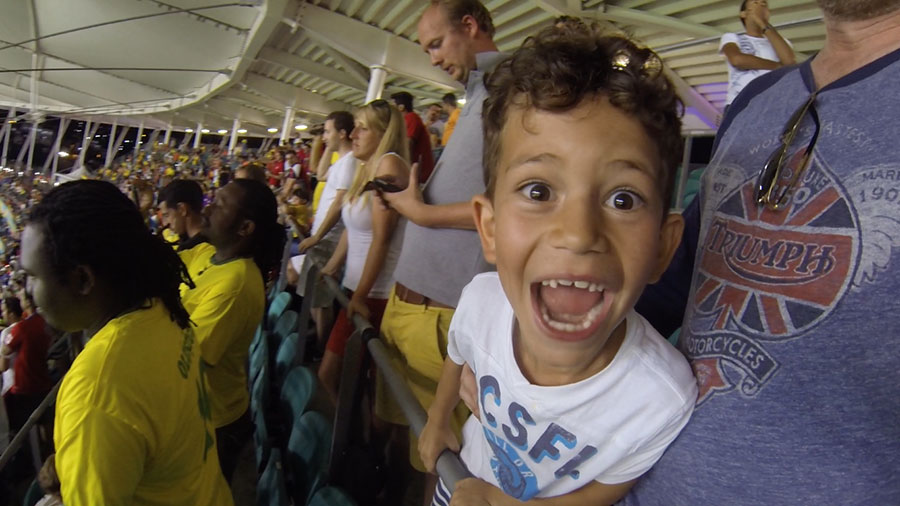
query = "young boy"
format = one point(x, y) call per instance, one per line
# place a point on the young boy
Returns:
point(578, 395)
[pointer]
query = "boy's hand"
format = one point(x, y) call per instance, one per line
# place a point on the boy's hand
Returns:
point(435, 437)
point(475, 492)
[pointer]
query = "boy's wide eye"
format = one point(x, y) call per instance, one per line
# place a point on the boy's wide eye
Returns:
point(625, 200)
point(536, 191)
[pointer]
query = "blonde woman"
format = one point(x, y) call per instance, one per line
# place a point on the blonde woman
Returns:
point(370, 244)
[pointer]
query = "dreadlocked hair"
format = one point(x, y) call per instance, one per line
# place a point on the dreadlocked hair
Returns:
point(92, 223)
point(260, 207)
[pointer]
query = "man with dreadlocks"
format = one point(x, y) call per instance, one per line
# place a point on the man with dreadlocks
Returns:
point(228, 301)
point(132, 417)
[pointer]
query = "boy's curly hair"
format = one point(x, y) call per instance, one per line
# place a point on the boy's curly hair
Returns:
point(562, 66)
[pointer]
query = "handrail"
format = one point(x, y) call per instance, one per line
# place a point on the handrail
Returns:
point(19, 440)
point(448, 466)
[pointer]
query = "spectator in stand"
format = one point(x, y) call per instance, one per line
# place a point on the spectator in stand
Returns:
point(755, 53)
point(452, 110)
point(181, 207)
point(275, 168)
point(132, 419)
point(49, 482)
point(326, 226)
point(419, 140)
point(254, 171)
point(293, 177)
point(796, 355)
point(227, 303)
point(370, 244)
point(434, 124)
point(441, 250)
point(29, 340)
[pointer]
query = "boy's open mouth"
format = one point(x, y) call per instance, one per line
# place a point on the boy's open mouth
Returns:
point(569, 309)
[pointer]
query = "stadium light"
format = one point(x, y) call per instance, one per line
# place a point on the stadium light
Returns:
point(242, 131)
point(301, 127)
point(272, 130)
point(188, 130)
point(204, 131)
point(222, 131)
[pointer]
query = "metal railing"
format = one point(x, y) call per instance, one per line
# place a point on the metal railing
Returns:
point(448, 466)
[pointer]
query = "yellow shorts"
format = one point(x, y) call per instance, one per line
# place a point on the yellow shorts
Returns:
point(416, 339)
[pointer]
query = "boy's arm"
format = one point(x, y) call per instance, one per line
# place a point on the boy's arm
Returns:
point(437, 434)
point(473, 491)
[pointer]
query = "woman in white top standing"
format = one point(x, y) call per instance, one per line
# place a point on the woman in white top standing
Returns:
point(370, 244)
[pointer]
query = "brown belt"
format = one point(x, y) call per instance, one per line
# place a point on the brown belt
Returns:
point(413, 297)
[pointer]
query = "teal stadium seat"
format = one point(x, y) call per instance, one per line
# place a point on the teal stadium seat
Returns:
point(296, 391)
point(331, 496)
point(308, 455)
point(262, 442)
point(284, 359)
point(285, 325)
point(271, 489)
point(33, 495)
point(259, 357)
point(259, 393)
point(277, 307)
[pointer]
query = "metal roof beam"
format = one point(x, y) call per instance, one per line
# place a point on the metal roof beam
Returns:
point(291, 96)
point(370, 45)
point(294, 62)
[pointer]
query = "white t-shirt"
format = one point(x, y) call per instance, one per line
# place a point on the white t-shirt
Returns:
point(357, 218)
point(340, 175)
point(756, 46)
point(537, 441)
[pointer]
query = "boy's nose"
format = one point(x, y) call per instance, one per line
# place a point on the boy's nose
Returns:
point(578, 227)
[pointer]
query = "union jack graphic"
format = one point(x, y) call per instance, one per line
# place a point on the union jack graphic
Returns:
point(766, 276)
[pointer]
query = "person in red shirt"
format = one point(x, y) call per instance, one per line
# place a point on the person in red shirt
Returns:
point(419, 140)
point(29, 340)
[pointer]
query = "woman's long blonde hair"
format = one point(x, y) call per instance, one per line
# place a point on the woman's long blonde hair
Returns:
point(387, 121)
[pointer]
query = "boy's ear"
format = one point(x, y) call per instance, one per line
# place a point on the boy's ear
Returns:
point(483, 211)
point(669, 239)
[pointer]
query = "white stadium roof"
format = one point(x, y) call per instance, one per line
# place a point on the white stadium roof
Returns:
point(180, 63)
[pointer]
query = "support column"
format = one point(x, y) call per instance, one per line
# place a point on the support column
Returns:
point(287, 125)
point(85, 142)
point(197, 135)
point(234, 133)
point(119, 140)
point(109, 145)
point(168, 135)
point(8, 127)
point(34, 128)
point(685, 172)
point(53, 158)
point(376, 82)
point(137, 145)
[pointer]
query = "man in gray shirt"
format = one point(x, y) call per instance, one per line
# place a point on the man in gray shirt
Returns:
point(441, 250)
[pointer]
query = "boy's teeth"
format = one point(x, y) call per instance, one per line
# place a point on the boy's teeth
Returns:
point(572, 327)
point(584, 285)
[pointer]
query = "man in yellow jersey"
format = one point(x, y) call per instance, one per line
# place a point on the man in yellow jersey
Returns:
point(132, 415)
point(181, 207)
point(228, 301)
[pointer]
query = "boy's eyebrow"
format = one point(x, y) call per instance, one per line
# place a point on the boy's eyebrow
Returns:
point(550, 157)
point(541, 157)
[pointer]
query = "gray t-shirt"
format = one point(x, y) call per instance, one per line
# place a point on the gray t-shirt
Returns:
point(793, 320)
point(439, 262)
